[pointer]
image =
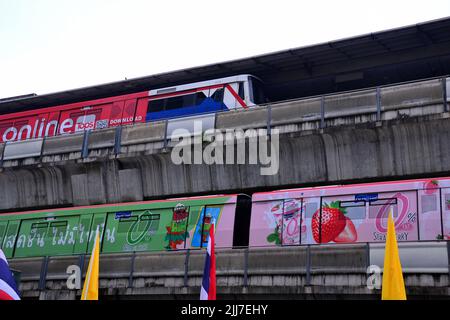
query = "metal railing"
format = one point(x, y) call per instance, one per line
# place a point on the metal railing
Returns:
point(375, 102)
point(300, 260)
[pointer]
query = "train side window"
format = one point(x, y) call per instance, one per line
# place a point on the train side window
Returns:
point(428, 203)
point(156, 105)
point(199, 98)
point(217, 96)
point(376, 206)
point(354, 209)
point(174, 103)
point(153, 225)
point(310, 208)
point(39, 225)
point(349, 204)
point(241, 90)
point(189, 100)
point(447, 201)
point(125, 223)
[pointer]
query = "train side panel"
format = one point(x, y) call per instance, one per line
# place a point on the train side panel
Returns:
point(359, 213)
point(148, 226)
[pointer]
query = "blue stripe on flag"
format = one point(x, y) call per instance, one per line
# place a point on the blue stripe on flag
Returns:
point(6, 275)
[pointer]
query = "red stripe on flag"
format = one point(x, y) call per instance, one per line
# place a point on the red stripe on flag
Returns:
point(5, 296)
point(212, 269)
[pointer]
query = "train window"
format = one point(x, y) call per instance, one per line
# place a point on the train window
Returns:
point(39, 225)
point(310, 208)
point(199, 98)
point(58, 224)
point(128, 219)
point(382, 202)
point(241, 90)
point(258, 92)
point(146, 217)
point(217, 96)
point(189, 100)
point(156, 105)
point(125, 223)
point(354, 209)
point(174, 103)
point(428, 203)
point(381, 206)
point(348, 204)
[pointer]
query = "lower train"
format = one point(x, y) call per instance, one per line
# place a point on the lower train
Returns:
point(330, 214)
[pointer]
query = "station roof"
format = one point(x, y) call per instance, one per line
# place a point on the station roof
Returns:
point(402, 54)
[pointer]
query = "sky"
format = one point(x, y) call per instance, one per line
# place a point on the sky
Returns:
point(55, 45)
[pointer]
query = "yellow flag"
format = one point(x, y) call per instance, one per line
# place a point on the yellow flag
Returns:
point(90, 287)
point(393, 287)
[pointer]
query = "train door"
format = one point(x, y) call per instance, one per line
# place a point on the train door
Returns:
point(10, 238)
point(3, 226)
point(208, 215)
point(430, 214)
point(292, 221)
point(445, 218)
point(87, 118)
point(47, 236)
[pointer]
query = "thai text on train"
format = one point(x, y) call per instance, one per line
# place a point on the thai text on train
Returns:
point(230, 146)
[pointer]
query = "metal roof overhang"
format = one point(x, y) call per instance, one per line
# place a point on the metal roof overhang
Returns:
point(401, 54)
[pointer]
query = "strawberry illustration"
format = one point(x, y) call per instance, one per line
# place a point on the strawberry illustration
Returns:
point(430, 186)
point(333, 222)
point(349, 233)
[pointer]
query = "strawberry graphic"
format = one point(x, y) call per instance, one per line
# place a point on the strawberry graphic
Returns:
point(348, 234)
point(333, 222)
point(430, 186)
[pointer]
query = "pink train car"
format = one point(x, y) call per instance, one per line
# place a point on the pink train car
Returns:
point(352, 213)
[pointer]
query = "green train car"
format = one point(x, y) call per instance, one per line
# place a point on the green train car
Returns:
point(172, 224)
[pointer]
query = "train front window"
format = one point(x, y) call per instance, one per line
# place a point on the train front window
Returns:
point(258, 91)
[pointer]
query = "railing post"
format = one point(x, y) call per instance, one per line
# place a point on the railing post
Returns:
point(84, 149)
point(43, 275)
point(367, 255)
point(322, 112)
point(246, 267)
point(308, 265)
point(165, 133)
point(3, 153)
point(117, 140)
point(444, 93)
point(448, 258)
point(130, 279)
point(186, 267)
point(378, 101)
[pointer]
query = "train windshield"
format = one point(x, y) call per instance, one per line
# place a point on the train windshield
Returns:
point(258, 91)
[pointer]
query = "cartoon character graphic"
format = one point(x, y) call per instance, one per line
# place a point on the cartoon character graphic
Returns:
point(332, 225)
point(206, 227)
point(176, 232)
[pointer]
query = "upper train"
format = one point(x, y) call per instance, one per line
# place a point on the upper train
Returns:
point(241, 91)
point(330, 214)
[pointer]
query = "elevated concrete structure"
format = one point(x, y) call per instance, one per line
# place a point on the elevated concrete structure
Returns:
point(381, 133)
point(297, 272)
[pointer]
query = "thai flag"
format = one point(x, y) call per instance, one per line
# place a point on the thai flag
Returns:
point(208, 291)
point(8, 288)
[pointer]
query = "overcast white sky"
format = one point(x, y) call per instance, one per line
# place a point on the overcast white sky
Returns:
point(54, 45)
